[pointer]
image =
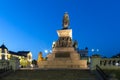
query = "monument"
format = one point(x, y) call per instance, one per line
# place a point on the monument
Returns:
point(64, 54)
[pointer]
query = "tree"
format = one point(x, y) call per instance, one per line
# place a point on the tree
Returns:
point(34, 62)
point(96, 55)
point(116, 56)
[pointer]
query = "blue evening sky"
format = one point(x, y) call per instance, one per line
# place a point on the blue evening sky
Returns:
point(32, 24)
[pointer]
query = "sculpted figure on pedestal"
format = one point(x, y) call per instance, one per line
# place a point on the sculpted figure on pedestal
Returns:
point(65, 21)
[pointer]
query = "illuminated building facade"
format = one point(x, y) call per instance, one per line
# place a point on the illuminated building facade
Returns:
point(25, 57)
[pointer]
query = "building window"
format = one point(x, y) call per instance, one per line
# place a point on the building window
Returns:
point(3, 57)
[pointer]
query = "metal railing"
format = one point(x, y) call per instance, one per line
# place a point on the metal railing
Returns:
point(5, 69)
point(102, 73)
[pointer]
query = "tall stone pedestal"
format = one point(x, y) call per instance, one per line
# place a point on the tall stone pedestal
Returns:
point(64, 54)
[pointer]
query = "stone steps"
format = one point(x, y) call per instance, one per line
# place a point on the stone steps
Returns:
point(51, 75)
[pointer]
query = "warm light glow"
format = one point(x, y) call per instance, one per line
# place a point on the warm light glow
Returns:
point(64, 33)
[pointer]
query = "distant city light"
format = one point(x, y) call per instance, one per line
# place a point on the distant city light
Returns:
point(97, 50)
point(46, 51)
point(92, 50)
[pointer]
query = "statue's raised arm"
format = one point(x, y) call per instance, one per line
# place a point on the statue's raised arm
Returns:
point(65, 21)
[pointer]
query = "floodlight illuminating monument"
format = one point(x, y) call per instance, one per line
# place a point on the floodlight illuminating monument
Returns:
point(64, 54)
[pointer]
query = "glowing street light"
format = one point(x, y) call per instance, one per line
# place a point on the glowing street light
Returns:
point(92, 50)
point(97, 50)
point(46, 51)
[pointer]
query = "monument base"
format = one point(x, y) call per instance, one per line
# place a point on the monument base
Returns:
point(81, 64)
point(63, 58)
